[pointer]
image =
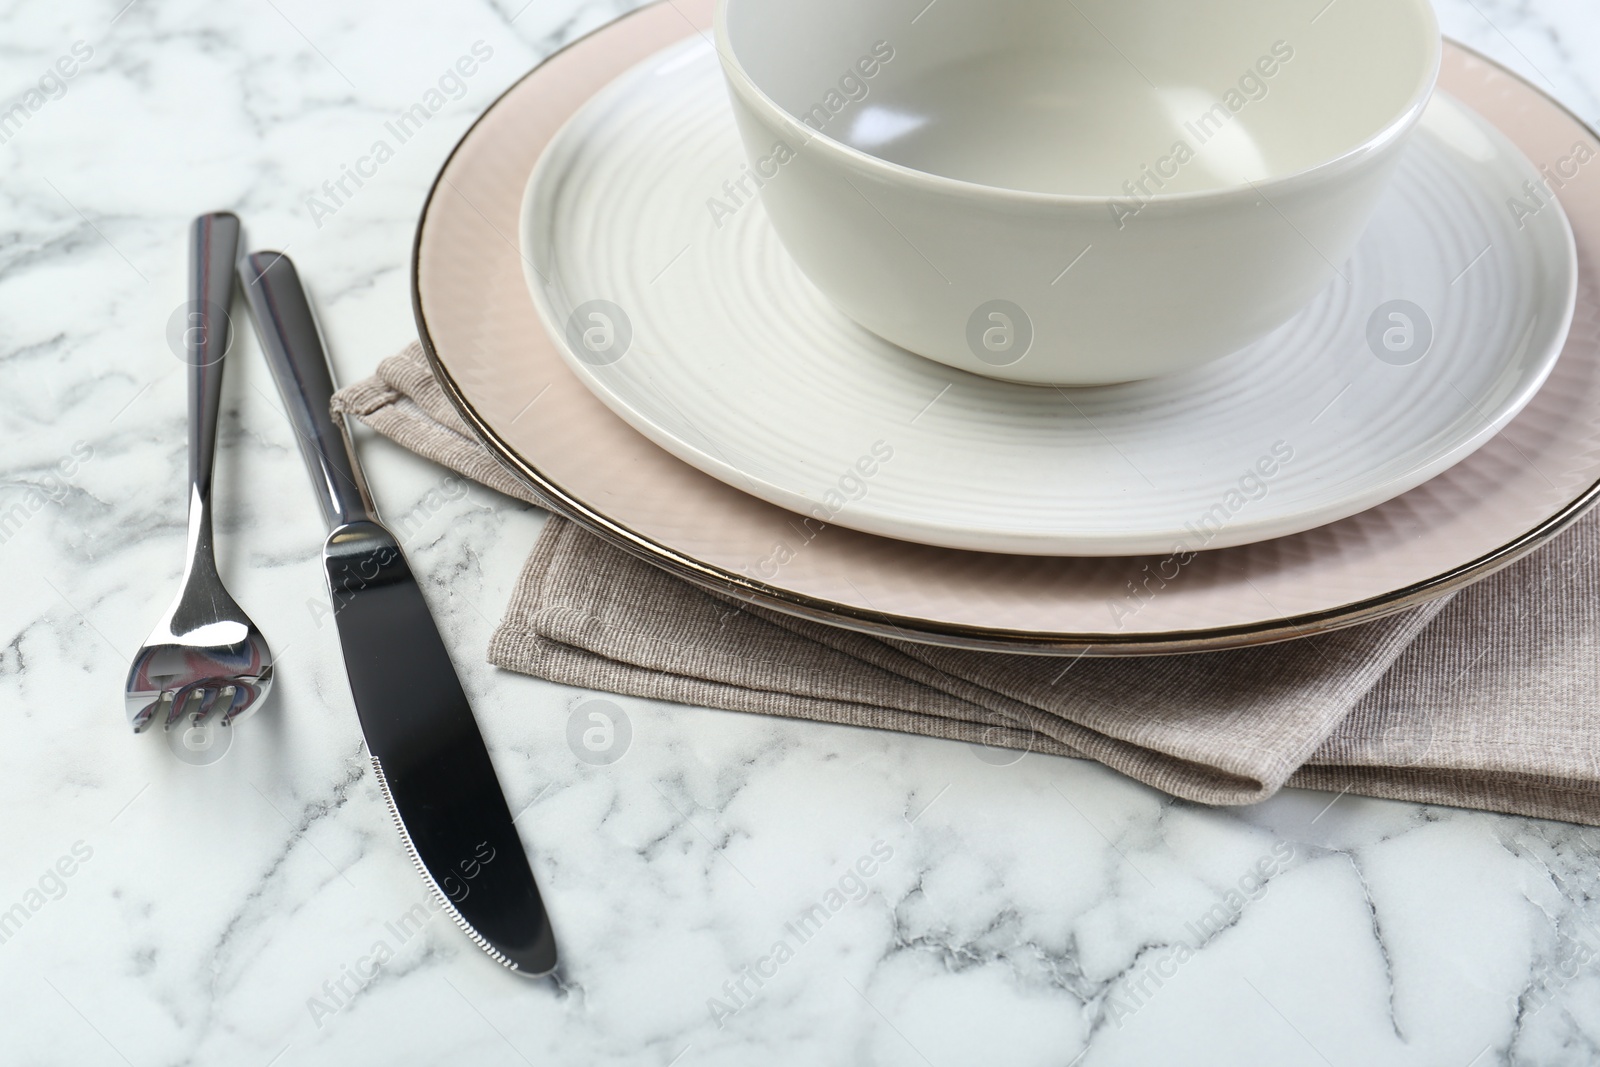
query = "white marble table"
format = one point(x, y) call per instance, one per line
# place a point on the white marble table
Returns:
point(253, 910)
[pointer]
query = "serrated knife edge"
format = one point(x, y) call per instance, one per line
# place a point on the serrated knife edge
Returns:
point(427, 876)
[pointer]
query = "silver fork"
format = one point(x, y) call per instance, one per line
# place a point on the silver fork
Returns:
point(205, 657)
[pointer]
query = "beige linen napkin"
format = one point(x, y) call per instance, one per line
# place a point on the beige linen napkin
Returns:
point(1487, 700)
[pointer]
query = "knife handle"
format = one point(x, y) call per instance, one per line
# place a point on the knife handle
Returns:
point(299, 361)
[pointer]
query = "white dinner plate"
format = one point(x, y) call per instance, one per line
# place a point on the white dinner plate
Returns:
point(654, 266)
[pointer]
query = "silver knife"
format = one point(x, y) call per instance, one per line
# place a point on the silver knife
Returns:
point(427, 753)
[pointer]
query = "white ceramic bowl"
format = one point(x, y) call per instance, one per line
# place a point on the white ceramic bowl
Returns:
point(1073, 193)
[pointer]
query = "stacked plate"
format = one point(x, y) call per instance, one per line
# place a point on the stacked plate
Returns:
point(601, 292)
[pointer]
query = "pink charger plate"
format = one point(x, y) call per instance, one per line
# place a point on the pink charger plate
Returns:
point(502, 369)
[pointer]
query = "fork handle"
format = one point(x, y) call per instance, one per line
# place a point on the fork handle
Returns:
point(299, 361)
point(207, 329)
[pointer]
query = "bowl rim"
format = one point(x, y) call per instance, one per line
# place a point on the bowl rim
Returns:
point(867, 164)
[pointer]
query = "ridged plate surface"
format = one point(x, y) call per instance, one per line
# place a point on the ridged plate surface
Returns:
point(713, 344)
point(510, 384)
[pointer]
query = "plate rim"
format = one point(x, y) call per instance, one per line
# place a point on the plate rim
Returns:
point(927, 631)
point(967, 537)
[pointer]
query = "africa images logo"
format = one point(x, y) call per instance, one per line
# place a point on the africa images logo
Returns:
point(852, 887)
point(1252, 485)
point(1536, 196)
point(852, 87)
point(451, 84)
point(1253, 86)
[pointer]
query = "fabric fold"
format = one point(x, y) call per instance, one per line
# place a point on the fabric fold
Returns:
point(1486, 700)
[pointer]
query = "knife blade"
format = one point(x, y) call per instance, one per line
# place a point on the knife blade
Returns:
point(427, 752)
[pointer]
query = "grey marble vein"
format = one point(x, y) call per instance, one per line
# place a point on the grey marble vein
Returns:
point(258, 909)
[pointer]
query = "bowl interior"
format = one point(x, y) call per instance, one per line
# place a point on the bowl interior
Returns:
point(1092, 97)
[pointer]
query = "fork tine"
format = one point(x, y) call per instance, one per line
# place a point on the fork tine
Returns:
point(163, 708)
point(244, 695)
point(208, 700)
point(142, 720)
point(180, 701)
